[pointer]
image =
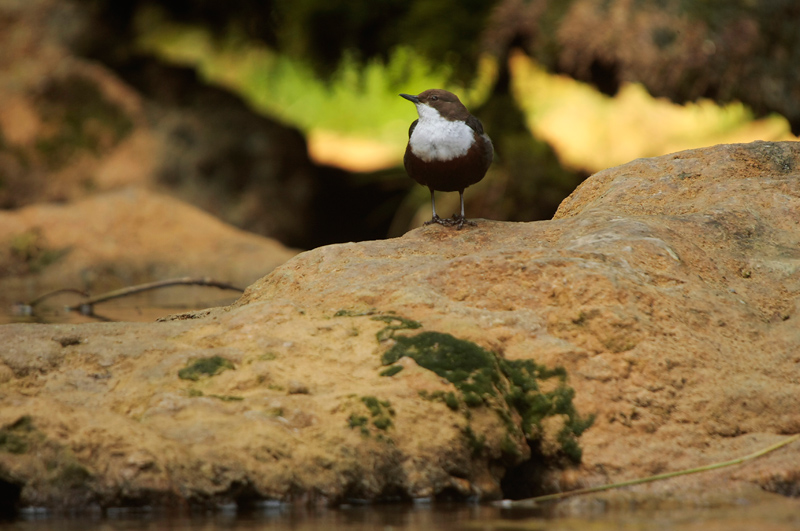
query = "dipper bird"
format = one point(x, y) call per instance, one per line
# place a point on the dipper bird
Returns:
point(447, 148)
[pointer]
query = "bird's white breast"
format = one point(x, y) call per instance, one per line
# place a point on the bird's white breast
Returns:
point(435, 138)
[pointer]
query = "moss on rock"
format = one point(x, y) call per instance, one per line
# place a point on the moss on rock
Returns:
point(14, 436)
point(391, 371)
point(393, 324)
point(483, 379)
point(210, 366)
point(380, 413)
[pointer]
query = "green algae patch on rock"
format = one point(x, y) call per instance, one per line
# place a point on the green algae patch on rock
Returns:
point(25, 449)
point(393, 324)
point(354, 313)
point(210, 366)
point(14, 436)
point(71, 475)
point(449, 398)
point(509, 387)
point(358, 421)
point(380, 414)
point(391, 371)
point(473, 370)
point(534, 406)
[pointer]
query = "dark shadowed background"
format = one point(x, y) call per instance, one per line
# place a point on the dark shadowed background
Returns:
point(282, 117)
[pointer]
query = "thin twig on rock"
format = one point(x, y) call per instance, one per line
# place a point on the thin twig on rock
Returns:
point(131, 290)
point(531, 502)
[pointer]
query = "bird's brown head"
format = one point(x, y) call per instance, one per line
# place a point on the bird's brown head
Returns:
point(446, 103)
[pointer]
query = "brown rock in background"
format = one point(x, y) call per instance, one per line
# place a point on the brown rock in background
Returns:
point(117, 239)
point(61, 117)
point(679, 50)
point(71, 127)
point(667, 288)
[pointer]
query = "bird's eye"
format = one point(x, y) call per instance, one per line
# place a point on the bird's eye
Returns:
point(434, 98)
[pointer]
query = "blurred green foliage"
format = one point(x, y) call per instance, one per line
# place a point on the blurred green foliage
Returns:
point(323, 33)
point(358, 97)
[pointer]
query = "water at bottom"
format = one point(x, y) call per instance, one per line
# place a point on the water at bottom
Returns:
point(274, 517)
point(772, 512)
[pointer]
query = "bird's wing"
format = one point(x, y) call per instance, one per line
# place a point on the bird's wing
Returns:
point(411, 129)
point(475, 124)
point(488, 150)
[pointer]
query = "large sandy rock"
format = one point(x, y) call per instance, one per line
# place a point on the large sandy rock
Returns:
point(666, 288)
point(116, 239)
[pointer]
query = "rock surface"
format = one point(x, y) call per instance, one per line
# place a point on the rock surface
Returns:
point(667, 288)
point(116, 239)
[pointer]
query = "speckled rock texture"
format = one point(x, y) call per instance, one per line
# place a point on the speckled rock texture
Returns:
point(666, 288)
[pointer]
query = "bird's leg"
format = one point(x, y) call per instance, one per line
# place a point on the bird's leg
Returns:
point(460, 220)
point(436, 218)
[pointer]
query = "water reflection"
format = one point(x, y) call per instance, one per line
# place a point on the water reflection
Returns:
point(64, 308)
point(603, 513)
point(272, 516)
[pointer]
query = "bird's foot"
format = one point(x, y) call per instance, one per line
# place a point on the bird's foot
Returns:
point(459, 221)
point(436, 219)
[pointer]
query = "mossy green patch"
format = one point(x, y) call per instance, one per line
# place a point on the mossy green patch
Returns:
point(380, 413)
point(63, 469)
point(476, 443)
point(378, 408)
point(210, 366)
point(14, 437)
point(533, 405)
point(481, 378)
point(449, 398)
point(354, 313)
point(358, 421)
point(393, 324)
point(391, 371)
point(72, 475)
point(382, 423)
point(473, 370)
point(508, 447)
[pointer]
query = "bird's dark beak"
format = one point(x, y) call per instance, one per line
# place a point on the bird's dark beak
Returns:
point(409, 97)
